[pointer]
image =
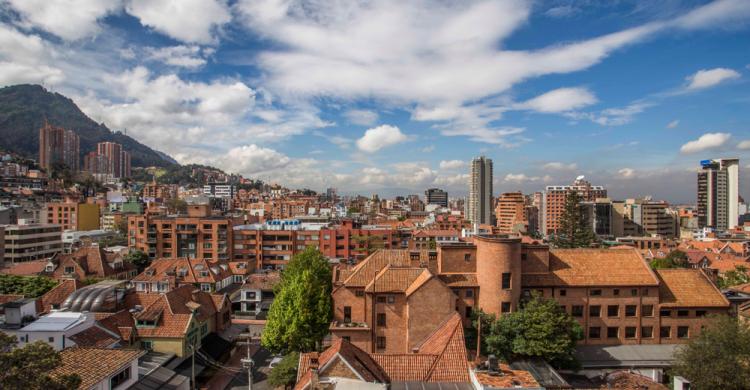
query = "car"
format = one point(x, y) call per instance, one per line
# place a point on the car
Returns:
point(274, 362)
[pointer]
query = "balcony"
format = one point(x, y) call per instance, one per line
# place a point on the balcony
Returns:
point(340, 325)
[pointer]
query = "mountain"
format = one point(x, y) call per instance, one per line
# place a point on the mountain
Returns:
point(24, 108)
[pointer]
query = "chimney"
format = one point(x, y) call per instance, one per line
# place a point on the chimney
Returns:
point(492, 365)
point(314, 379)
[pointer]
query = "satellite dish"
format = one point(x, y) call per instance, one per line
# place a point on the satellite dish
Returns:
point(580, 177)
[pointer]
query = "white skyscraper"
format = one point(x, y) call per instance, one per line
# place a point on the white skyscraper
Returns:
point(718, 193)
point(479, 205)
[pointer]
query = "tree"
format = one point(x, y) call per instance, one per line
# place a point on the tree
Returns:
point(573, 231)
point(138, 258)
point(29, 367)
point(177, 206)
point(737, 276)
point(301, 311)
point(28, 286)
point(285, 373)
point(718, 358)
point(540, 329)
point(675, 259)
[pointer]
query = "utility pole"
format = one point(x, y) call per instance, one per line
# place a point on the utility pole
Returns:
point(192, 366)
point(248, 365)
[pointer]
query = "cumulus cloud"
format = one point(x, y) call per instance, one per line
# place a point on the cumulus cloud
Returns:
point(361, 117)
point(562, 11)
point(744, 145)
point(519, 178)
point(184, 56)
point(616, 116)
point(673, 124)
point(68, 21)
point(626, 173)
point(705, 142)
point(706, 78)
point(558, 166)
point(560, 100)
point(452, 164)
point(184, 20)
point(380, 137)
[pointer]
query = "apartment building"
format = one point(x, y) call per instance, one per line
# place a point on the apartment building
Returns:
point(26, 242)
point(554, 199)
point(436, 196)
point(164, 275)
point(718, 194)
point(385, 303)
point(117, 159)
point(160, 193)
point(73, 215)
point(197, 235)
point(510, 213)
point(479, 202)
point(58, 147)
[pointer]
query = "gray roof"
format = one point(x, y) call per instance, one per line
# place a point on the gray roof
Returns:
point(161, 378)
point(626, 356)
point(542, 372)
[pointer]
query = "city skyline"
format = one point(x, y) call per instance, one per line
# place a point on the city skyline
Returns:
point(630, 95)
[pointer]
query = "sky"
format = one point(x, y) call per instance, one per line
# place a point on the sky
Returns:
point(393, 97)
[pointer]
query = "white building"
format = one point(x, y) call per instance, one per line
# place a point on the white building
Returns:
point(55, 329)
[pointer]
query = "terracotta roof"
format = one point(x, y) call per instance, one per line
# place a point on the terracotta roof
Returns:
point(172, 310)
point(121, 323)
point(95, 336)
point(94, 365)
point(509, 379)
point(682, 287)
point(363, 273)
point(436, 233)
point(5, 298)
point(57, 295)
point(263, 281)
point(741, 288)
point(448, 343)
point(356, 358)
point(239, 267)
point(405, 367)
point(696, 256)
point(725, 265)
point(459, 280)
point(25, 268)
point(90, 261)
point(593, 267)
point(195, 271)
point(391, 279)
point(631, 380)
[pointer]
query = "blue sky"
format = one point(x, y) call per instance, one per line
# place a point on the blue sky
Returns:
point(394, 97)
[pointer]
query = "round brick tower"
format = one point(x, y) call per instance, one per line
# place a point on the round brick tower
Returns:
point(498, 255)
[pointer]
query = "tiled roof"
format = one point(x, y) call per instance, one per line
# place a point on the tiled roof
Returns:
point(725, 265)
point(391, 279)
point(365, 271)
point(121, 323)
point(448, 343)
point(172, 310)
point(196, 271)
point(94, 365)
point(405, 367)
point(696, 256)
point(459, 280)
point(741, 288)
point(357, 359)
point(239, 267)
point(688, 288)
point(593, 267)
point(25, 268)
point(263, 281)
point(95, 336)
point(509, 379)
point(91, 261)
point(436, 233)
point(57, 295)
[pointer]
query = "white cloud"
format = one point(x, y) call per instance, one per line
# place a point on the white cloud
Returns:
point(616, 116)
point(519, 178)
point(428, 149)
point(705, 142)
point(361, 117)
point(627, 173)
point(26, 59)
point(744, 145)
point(706, 78)
point(673, 124)
point(184, 20)
point(251, 160)
point(180, 56)
point(558, 166)
point(560, 100)
point(562, 11)
point(68, 21)
point(452, 164)
point(380, 137)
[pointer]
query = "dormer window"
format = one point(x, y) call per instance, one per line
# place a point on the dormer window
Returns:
point(69, 269)
point(49, 268)
point(204, 273)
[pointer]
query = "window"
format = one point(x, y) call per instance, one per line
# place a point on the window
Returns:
point(647, 310)
point(665, 313)
point(616, 292)
point(506, 280)
point(359, 293)
point(563, 292)
point(505, 307)
point(595, 332)
point(469, 293)
point(69, 270)
point(381, 342)
point(468, 311)
point(348, 339)
point(634, 292)
point(467, 257)
point(630, 332)
point(249, 294)
point(391, 299)
point(700, 313)
point(347, 314)
point(683, 313)
point(613, 332)
point(596, 293)
point(647, 332)
point(51, 339)
point(563, 308)
point(381, 319)
point(147, 345)
point(577, 310)
point(206, 287)
point(595, 311)
point(381, 299)
point(613, 311)
point(665, 332)
point(683, 332)
point(630, 310)
point(120, 378)
point(644, 292)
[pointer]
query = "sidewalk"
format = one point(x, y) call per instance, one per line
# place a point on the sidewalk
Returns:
point(223, 378)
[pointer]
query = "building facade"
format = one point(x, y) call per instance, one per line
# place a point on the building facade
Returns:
point(510, 213)
point(479, 204)
point(718, 194)
point(73, 215)
point(436, 196)
point(31, 242)
point(58, 146)
point(554, 199)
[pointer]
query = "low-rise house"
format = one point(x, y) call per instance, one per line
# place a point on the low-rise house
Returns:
point(54, 298)
point(100, 368)
point(89, 262)
point(254, 298)
point(164, 275)
point(55, 329)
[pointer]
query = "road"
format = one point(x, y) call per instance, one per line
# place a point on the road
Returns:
point(260, 374)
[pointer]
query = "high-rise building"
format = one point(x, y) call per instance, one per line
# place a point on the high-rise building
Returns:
point(510, 213)
point(436, 196)
point(118, 160)
point(718, 193)
point(58, 146)
point(555, 197)
point(479, 205)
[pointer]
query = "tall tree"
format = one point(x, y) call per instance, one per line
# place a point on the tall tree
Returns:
point(29, 367)
point(718, 358)
point(301, 311)
point(138, 258)
point(285, 373)
point(573, 230)
point(540, 329)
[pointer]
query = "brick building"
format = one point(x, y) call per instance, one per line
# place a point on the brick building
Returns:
point(510, 213)
point(58, 146)
point(73, 215)
point(554, 199)
point(386, 303)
